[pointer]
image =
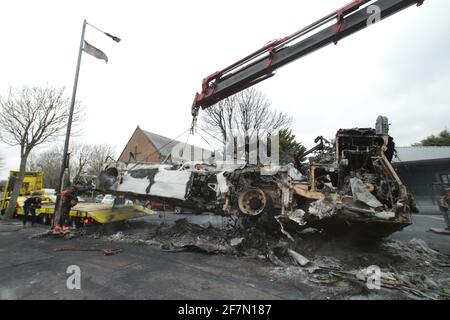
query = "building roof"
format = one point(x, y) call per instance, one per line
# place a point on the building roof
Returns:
point(163, 144)
point(416, 154)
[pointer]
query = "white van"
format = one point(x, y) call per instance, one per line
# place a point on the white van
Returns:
point(108, 199)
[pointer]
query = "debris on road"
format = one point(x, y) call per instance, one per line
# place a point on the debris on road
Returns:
point(236, 241)
point(337, 267)
point(106, 252)
point(274, 259)
point(44, 234)
point(121, 237)
point(49, 234)
point(441, 231)
point(413, 272)
point(301, 260)
point(418, 251)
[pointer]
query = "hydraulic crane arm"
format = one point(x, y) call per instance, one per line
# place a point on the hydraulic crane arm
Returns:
point(261, 64)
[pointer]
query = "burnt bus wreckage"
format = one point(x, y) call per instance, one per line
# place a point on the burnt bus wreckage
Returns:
point(349, 182)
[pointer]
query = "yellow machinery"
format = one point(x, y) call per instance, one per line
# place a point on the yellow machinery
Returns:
point(81, 214)
point(32, 184)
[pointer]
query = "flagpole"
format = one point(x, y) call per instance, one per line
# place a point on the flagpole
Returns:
point(65, 159)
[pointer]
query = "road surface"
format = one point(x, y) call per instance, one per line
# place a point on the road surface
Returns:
point(32, 269)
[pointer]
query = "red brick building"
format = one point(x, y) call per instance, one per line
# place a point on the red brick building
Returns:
point(145, 146)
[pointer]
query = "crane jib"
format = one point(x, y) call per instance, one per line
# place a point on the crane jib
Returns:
point(261, 64)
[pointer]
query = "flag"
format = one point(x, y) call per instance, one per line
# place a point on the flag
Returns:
point(93, 51)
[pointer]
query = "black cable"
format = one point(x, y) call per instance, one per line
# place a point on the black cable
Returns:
point(214, 149)
point(221, 142)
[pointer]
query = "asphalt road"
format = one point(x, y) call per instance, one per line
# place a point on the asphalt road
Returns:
point(32, 269)
point(420, 230)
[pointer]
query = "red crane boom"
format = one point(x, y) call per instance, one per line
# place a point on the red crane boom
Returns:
point(261, 64)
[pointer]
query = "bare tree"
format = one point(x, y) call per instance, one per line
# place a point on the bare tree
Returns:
point(79, 159)
point(247, 113)
point(31, 163)
point(85, 159)
point(49, 162)
point(99, 154)
point(220, 117)
point(30, 117)
point(88, 159)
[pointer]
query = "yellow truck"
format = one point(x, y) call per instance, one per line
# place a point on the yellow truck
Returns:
point(32, 184)
point(81, 215)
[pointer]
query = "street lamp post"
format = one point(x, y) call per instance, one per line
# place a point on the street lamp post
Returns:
point(116, 39)
point(65, 160)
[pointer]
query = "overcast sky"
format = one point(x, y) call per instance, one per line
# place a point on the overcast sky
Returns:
point(398, 68)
